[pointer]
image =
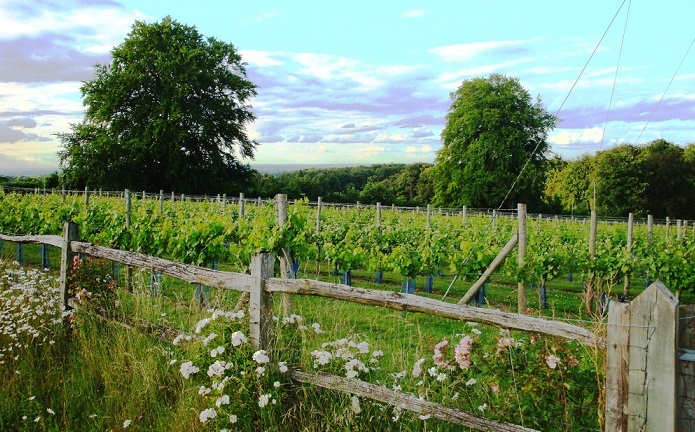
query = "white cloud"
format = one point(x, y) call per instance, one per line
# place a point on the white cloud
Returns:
point(415, 13)
point(95, 29)
point(466, 52)
point(260, 58)
point(452, 80)
point(566, 137)
point(411, 149)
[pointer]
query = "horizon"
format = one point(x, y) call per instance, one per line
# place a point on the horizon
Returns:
point(329, 93)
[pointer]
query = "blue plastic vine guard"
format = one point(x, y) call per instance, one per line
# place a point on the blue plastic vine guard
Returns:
point(543, 296)
point(20, 253)
point(347, 278)
point(379, 277)
point(409, 286)
point(45, 263)
point(429, 283)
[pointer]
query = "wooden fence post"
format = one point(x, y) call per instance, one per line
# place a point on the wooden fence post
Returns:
point(617, 366)
point(71, 232)
point(261, 301)
point(641, 384)
point(521, 257)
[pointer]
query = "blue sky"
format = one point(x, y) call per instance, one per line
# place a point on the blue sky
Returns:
point(368, 81)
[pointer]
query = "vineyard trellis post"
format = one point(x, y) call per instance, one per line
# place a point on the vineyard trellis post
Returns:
point(281, 208)
point(521, 257)
point(129, 269)
point(630, 225)
point(241, 205)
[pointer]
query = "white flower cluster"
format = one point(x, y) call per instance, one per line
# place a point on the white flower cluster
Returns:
point(28, 308)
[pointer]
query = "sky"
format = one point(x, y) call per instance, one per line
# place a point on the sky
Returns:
point(364, 82)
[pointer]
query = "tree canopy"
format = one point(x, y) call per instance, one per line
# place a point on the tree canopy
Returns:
point(492, 128)
point(169, 112)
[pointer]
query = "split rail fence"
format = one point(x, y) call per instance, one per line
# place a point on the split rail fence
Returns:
point(650, 350)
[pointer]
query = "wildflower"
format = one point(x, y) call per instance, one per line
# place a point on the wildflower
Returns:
point(495, 389)
point(476, 331)
point(482, 407)
point(233, 418)
point(317, 328)
point(276, 384)
point(216, 351)
point(455, 396)
point(217, 368)
point(505, 342)
point(188, 368)
point(238, 338)
point(201, 324)
point(355, 405)
point(224, 400)
point(432, 371)
point(471, 382)
point(209, 338)
point(50, 411)
point(263, 400)
point(397, 388)
point(425, 417)
point(417, 368)
point(126, 423)
point(462, 352)
point(441, 377)
point(260, 370)
point(572, 361)
point(439, 351)
point(552, 361)
point(204, 391)
point(207, 414)
point(260, 357)
point(283, 367)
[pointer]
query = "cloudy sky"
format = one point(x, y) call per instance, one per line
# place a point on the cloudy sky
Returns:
point(368, 81)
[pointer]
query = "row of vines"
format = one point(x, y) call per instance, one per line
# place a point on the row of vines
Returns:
point(202, 232)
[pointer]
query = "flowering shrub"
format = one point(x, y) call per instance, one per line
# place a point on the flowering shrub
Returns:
point(90, 282)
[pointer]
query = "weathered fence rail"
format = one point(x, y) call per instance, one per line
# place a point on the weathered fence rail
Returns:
point(648, 381)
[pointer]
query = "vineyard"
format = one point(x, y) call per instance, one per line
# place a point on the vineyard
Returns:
point(534, 381)
point(408, 243)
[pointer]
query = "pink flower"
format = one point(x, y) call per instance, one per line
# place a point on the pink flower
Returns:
point(417, 369)
point(495, 389)
point(462, 352)
point(505, 342)
point(439, 351)
point(552, 361)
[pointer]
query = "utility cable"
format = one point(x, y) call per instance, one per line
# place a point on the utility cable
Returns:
point(533, 153)
point(666, 91)
point(615, 77)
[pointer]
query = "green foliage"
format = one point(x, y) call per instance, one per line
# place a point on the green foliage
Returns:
point(492, 129)
point(657, 178)
point(167, 113)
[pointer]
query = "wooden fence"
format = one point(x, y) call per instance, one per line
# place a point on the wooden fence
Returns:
point(647, 386)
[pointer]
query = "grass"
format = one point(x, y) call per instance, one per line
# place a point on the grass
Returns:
point(98, 375)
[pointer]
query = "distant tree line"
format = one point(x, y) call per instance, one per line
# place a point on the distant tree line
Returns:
point(656, 178)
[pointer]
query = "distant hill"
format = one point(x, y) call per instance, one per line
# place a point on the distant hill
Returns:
point(275, 169)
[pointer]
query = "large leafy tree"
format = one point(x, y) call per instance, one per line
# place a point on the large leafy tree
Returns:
point(169, 112)
point(492, 128)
